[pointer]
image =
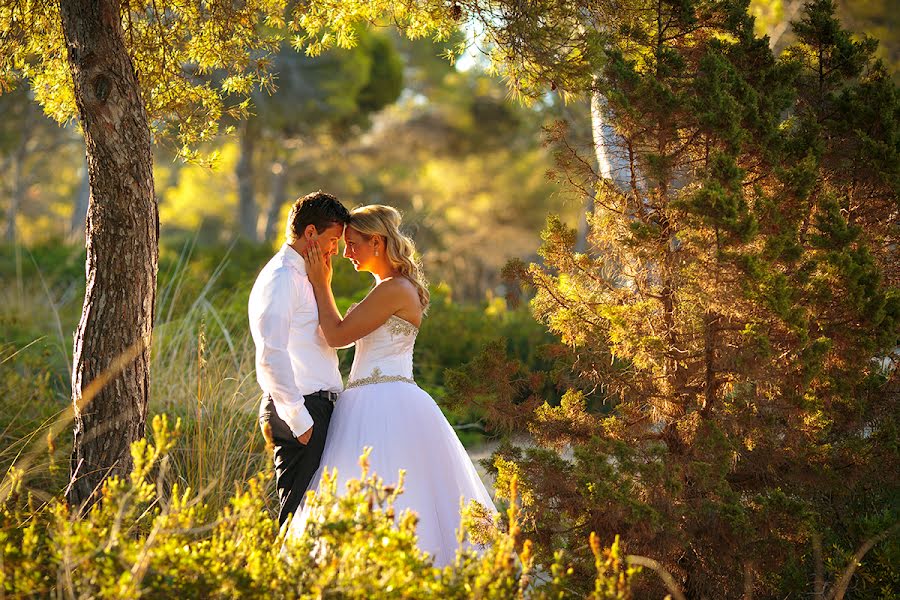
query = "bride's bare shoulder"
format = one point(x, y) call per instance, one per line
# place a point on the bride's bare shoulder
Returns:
point(403, 295)
point(399, 286)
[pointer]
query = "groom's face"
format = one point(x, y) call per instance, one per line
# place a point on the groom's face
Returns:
point(328, 239)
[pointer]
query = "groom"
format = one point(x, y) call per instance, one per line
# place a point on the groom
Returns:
point(295, 366)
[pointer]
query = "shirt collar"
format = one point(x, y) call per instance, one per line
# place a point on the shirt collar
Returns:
point(293, 259)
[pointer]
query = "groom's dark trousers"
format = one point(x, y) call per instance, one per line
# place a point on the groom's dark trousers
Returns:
point(295, 464)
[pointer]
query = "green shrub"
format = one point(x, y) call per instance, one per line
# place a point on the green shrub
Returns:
point(145, 539)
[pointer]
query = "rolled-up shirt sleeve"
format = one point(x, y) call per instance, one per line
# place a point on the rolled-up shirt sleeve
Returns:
point(273, 362)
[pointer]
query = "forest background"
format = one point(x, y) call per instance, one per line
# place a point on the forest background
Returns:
point(476, 172)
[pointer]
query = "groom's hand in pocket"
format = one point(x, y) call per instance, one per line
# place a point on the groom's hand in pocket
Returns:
point(304, 439)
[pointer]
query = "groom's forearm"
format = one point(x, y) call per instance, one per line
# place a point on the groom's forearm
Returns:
point(276, 376)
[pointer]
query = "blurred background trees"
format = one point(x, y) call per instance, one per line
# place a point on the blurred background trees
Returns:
point(41, 169)
point(332, 95)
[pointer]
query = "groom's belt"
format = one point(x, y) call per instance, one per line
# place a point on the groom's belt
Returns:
point(324, 395)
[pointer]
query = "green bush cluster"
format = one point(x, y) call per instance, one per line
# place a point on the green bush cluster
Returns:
point(150, 538)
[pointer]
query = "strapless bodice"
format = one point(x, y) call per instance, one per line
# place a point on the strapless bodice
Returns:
point(386, 354)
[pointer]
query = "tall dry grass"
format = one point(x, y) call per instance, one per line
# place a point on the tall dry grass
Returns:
point(202, 371)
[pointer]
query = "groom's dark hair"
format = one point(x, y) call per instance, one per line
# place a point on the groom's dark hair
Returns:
point(318, 208)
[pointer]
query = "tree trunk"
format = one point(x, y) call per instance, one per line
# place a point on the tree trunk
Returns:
point(748, 580)
point(248, 215)
point(599, 135)
point(111, 363)
point(776, 36)
point(276, 199)
point(818, 567)
point(602, 134)
point(79, 210)
point(710, 329)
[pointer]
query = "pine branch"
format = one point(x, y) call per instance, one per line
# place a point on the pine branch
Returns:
point(666, 577)
point(840, 587)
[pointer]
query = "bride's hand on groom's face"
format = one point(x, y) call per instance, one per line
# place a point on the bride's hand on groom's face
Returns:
point(318, 264)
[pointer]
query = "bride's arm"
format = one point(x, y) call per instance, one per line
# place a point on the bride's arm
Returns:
point(371, 313)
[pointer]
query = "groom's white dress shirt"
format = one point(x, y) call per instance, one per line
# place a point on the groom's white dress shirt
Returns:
point(292, 356)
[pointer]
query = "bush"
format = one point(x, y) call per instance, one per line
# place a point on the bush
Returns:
point(144, 539)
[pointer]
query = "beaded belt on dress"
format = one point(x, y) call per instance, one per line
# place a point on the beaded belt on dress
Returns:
point(377, 377)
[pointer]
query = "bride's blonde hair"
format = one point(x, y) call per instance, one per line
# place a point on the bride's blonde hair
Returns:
point(377, 219)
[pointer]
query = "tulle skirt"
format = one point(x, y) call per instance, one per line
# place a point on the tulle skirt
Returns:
point(406, 430)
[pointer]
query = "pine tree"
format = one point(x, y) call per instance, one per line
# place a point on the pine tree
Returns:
point(728, 342)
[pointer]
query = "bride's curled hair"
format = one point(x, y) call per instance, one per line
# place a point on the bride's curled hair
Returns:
point(377, 219)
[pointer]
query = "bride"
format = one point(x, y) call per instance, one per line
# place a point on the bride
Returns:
point(381, 405)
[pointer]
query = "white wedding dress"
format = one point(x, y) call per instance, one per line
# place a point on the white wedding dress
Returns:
point(383, 408)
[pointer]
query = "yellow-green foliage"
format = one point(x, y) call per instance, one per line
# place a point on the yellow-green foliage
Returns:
point(196, 61)
point(147, 539)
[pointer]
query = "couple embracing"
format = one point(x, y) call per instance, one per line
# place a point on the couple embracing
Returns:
point(317, 423)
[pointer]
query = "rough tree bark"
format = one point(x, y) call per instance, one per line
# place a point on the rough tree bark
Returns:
point(112, 343)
